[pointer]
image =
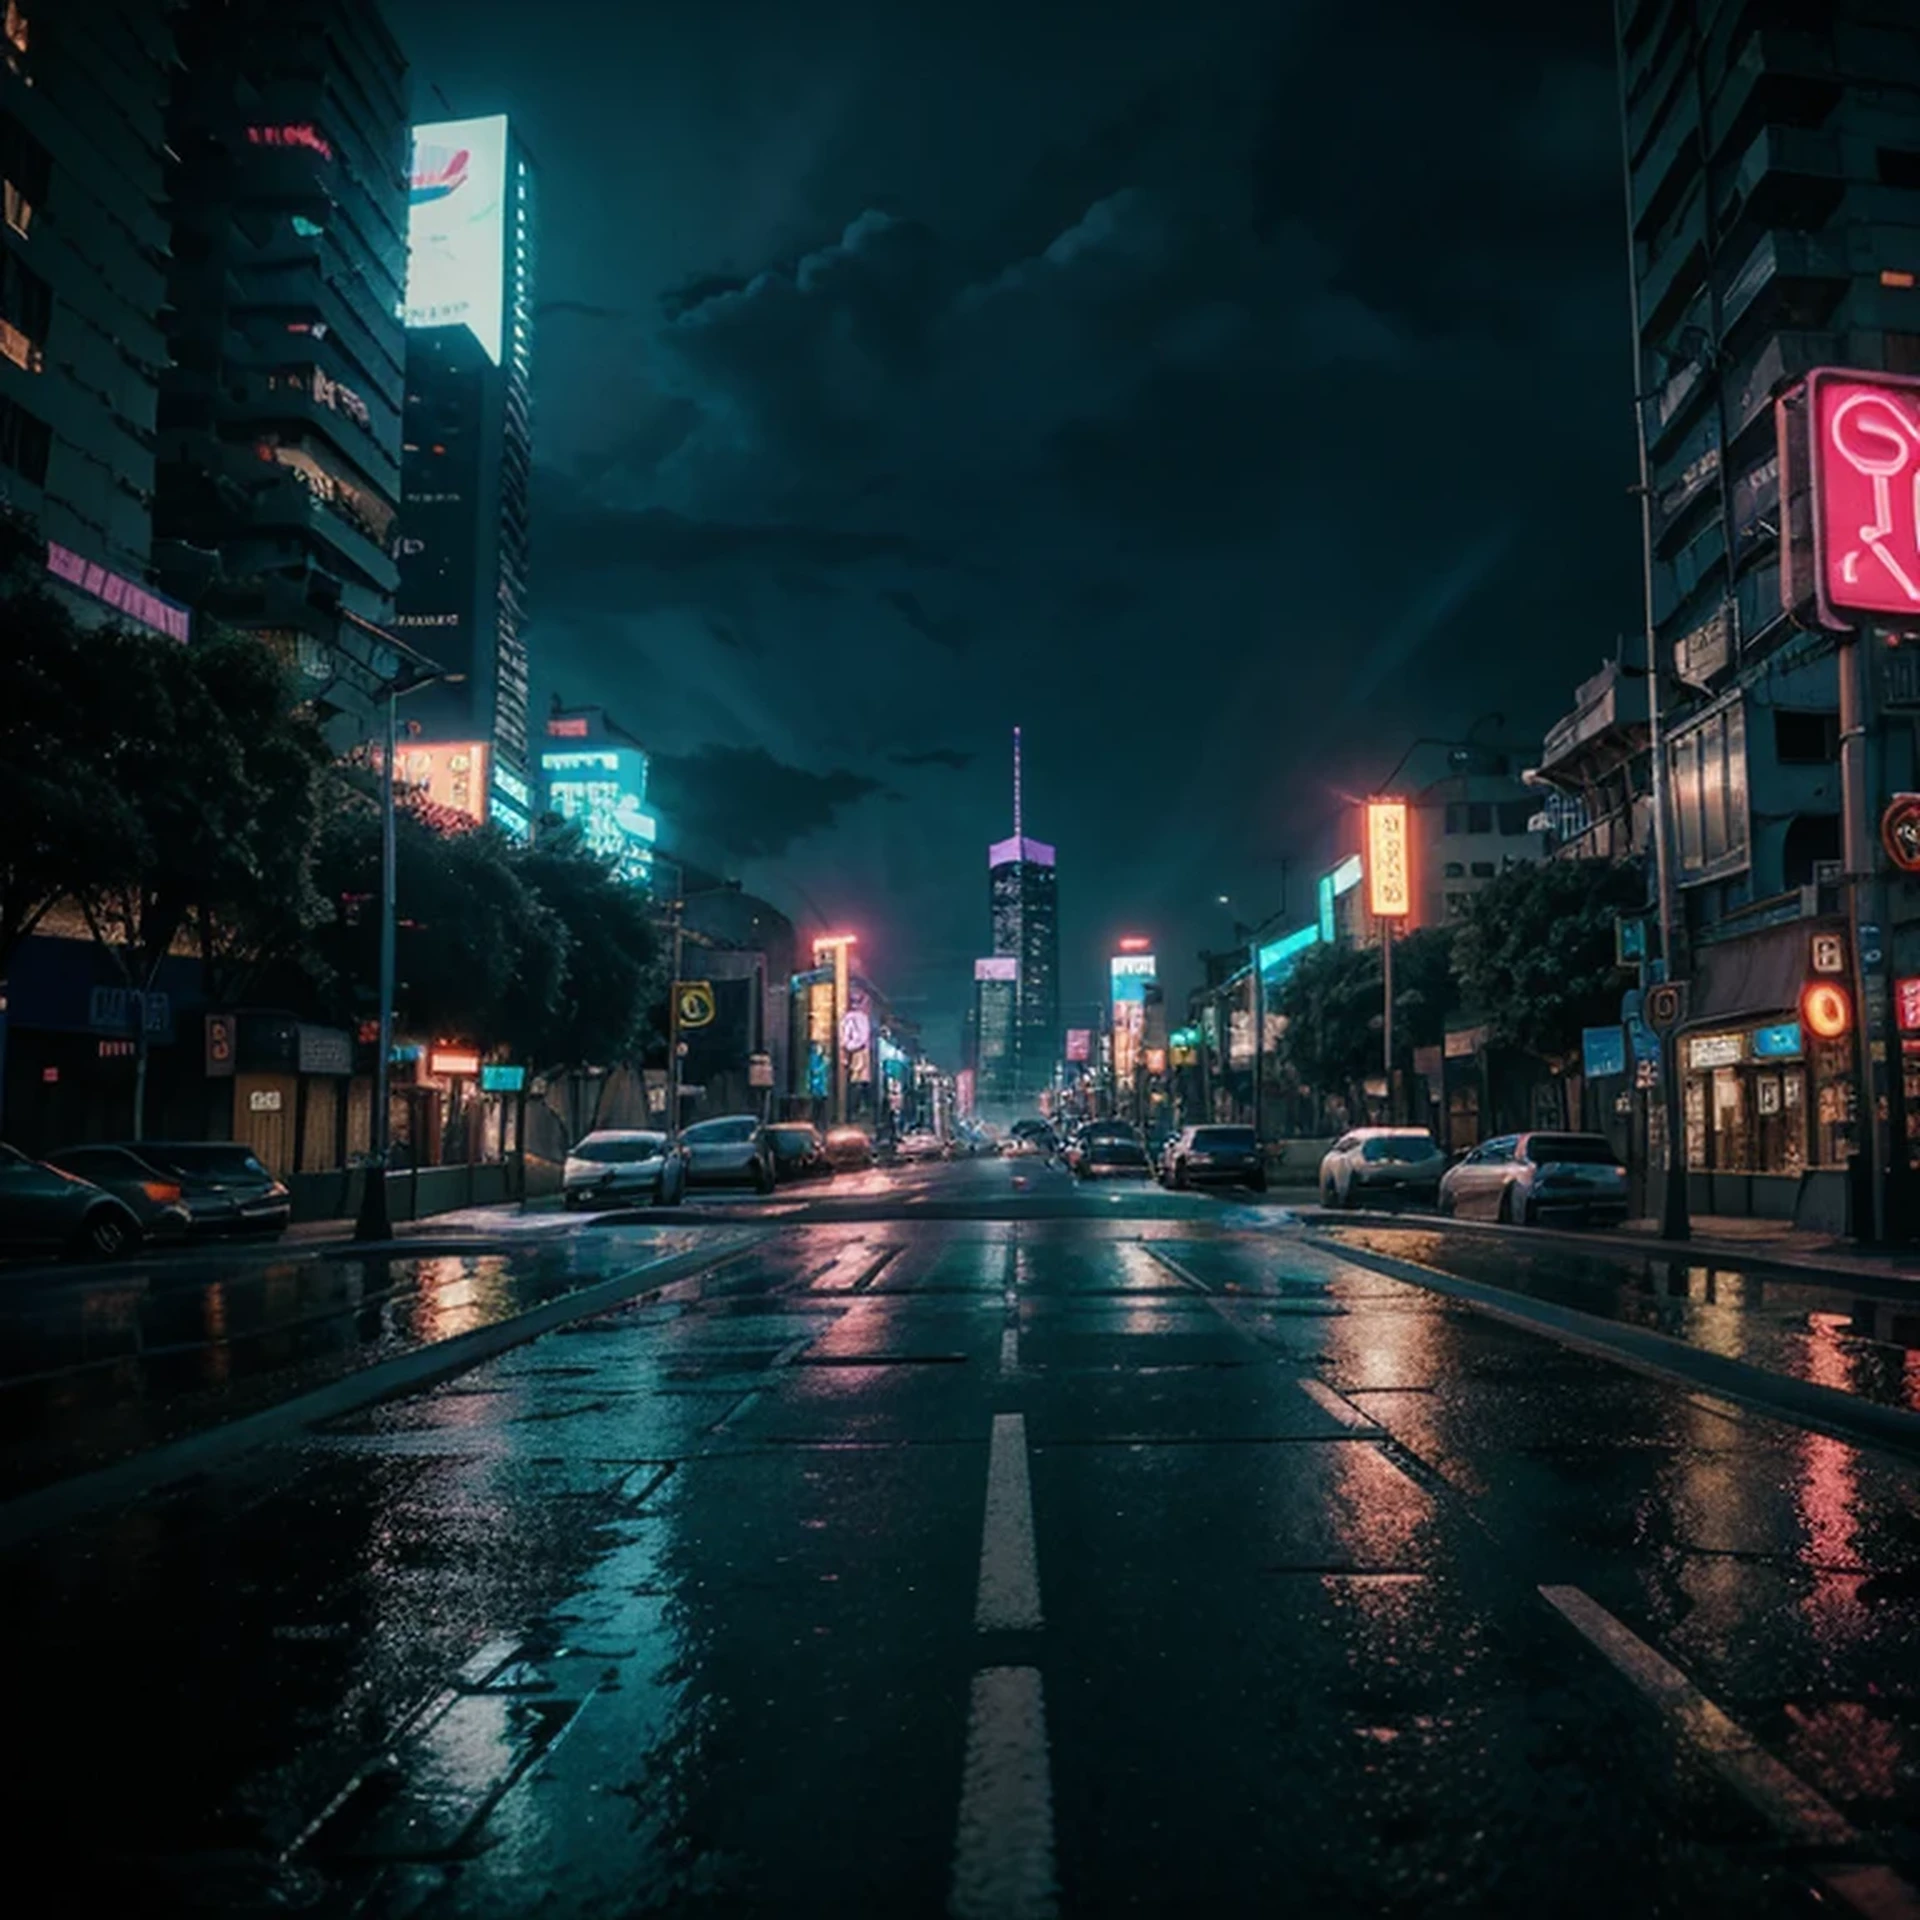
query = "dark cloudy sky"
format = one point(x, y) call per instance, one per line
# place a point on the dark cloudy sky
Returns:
point(1225, 392)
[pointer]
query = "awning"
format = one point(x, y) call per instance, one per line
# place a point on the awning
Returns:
point(1760, 973)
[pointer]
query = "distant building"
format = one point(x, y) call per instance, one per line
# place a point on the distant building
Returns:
point(593, 774)
point(996, 1030)
point(83, 246)
point(1023, 899)
point(467, 449)
point(279, 421)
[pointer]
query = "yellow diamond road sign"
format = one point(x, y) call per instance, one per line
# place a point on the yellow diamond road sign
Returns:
point(693, 1002)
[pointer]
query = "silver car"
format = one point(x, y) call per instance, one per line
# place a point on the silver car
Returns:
point(615, 1166)
point(1531, 1177)
point(1380, 1163)
point(733, 1152)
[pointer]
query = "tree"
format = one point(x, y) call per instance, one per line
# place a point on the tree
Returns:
point(1425, 988)
point(1331, 1002)
point(1535, 955)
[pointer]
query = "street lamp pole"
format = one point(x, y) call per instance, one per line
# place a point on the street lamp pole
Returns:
point(375, 1222)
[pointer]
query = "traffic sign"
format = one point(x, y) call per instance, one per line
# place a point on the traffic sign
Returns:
point(1900, 831)
point(1665, 1004)
point(693, 1002)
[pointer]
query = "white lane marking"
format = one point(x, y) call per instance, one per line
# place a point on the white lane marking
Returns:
point(1342, 1409)
point(1791, 1807)
point(1003, 1847)
point(1010, 1350)
point(1174, 1267)
point(1008, 1598)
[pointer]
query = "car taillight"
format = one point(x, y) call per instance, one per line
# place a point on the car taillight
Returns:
point(160, 1193)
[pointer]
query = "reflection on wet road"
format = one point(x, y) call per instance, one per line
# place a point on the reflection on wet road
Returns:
point(1859, 1337)
point(1109, 1558)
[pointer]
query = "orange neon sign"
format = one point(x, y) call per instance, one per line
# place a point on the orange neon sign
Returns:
point(1825, 1008)
point(1389, 870)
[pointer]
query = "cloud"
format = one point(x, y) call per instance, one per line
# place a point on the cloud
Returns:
point(943, 633)
point(950, 757)
point(583, 309)
point(752, 804)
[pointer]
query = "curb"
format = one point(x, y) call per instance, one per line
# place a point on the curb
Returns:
point(677, 1277)
point(1658, 1355)
point(1812, 1268)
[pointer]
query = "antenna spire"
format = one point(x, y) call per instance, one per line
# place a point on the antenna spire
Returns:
point(1016, 783)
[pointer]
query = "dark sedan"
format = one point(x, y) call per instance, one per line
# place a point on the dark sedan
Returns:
point(156, 1199)
point(1110, 1156)
point(45, 1210)
point(1214, 1156)
point(225, 1186)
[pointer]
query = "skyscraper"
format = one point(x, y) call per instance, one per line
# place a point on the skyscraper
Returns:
point(467, 450)
point(83, 90)
point(1023, 899)
point(279, 419)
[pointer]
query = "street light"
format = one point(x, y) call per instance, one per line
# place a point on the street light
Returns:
point(409, 672)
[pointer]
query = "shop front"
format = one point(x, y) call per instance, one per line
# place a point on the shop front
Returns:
point(1768, 1105)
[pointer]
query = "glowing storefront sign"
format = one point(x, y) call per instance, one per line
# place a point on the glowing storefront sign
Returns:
point(456, 228)
point(454, 1062)
point(1825, 1010)
point(1277, 956)
point(1132, 966)
point(449, 774)
point(1707, 1050)
point(1864, 434)
point(1389, 877)
point(1079, 1043)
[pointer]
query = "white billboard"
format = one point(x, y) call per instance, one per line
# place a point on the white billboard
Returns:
point(457, 228)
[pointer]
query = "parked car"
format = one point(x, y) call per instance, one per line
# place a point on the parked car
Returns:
point(617, 1164)
point(155, 1199)
point(1106, 1155)
point(1378, 1163)
point(922, 1144)
point(1214, 1156)
point(1531, 1177)
point(799, 1151)
point(730, 1152)
point(223, 1183)
point(850, 1148)
point(44, 1210)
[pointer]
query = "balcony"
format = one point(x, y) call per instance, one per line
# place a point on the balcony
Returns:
point(1671, 276)
point(1659, 178)
point(1787, 177)
point(1607, 725)
point(1786, 275)
point(1777, 75)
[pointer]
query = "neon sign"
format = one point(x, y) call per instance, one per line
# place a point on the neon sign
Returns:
point(1389, 879)
point(298, 133)
point(117, 591)
point(1864, 432)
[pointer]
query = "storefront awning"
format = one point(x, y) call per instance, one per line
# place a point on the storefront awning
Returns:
point(1761, 973)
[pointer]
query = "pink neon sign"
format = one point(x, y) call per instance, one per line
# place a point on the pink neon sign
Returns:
point(1865, 435)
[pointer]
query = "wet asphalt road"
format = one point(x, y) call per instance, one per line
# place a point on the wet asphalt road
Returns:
point(964, 1546)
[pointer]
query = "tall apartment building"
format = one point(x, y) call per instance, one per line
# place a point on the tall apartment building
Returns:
point(279, 454)
point(468, 446)
point(83, 88)
point(1023, 900)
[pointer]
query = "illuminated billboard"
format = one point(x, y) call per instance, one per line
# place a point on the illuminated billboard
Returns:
point(448, 773)
point(1137, 968)
point(1079, 1043)
point(997, 966)
point(1865, 445)
point(603, 790)
point(1389, 875)
point(456, 228)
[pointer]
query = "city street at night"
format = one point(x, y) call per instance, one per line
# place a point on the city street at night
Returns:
point(985, 1540)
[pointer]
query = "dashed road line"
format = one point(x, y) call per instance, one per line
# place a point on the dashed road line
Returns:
point(1173, 1266)
point(1793, 1809)
point(1009, 1351)
point(1003, 1846)
point(1008, 1596)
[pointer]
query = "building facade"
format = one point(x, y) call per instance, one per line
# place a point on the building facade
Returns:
point(593, 776)
point(83, 247)
point(278, 460)
point(467, 448)
point(1774, 193)
point(1023, 904)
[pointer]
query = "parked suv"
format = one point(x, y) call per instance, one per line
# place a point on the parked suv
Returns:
point(1214, 1156)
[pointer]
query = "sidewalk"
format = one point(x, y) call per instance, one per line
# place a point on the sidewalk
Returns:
point(462, 1223)
point(1776, 1243)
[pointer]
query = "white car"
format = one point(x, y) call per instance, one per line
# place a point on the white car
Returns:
point(1380, 1163)
point(620, 1167)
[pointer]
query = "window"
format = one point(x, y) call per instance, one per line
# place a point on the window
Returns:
point(26, 306)
point(1898, 167)
point(1480, 816)
point(26, 173)
point(1456, 817)
point(1805, 739)
point(1454, 871)
point(1483, 869)
point(1709, 763)
point(25, 442)
point(15, 27)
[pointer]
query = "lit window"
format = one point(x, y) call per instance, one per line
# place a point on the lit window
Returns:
point(16, 27)
point(1895, 277)
point(18, 208)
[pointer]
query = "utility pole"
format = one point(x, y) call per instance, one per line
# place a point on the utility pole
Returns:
point(375, 1222)
point(674, 1042)
point(1872, 1039)
point(1386, 1014)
